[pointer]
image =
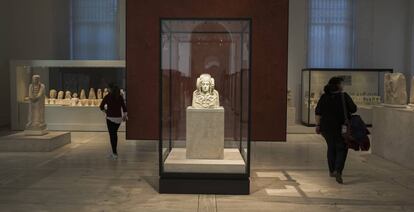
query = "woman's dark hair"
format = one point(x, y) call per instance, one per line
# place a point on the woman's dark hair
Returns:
point(333, 85)
point(114, 90)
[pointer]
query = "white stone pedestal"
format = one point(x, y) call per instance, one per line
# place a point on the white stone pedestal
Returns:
point(39, 132)
point(393, 135)
point(205, 133)
point(20, 142)
point(231, 163)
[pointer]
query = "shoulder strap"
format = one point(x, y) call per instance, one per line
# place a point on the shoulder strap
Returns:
point(344, 106)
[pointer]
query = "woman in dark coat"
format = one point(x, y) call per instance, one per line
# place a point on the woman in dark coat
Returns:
point(330, 118)
point(115, 109)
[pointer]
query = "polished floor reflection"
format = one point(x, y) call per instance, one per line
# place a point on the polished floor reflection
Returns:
point(288, 176)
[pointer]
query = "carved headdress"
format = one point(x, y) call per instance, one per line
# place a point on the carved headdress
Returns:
point(205, 77)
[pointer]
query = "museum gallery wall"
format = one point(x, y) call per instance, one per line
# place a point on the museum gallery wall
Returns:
point(269, 50)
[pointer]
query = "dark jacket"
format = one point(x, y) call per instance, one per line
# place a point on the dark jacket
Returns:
point(115, 106)
point(331, 110)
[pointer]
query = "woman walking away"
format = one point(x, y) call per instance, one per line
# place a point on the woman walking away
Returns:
point(330, 119)
point(114, 106)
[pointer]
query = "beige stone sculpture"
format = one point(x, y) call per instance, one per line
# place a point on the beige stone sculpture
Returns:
point(395, 89)
point(98, 99)
point(412, 92)
point(67, 99)
point(68, 95)
point(74, 101)
point(289, 98)
point(83, 100)
point(92, 97)
point(60, 97)
point(36, 121)
point(99, 94)
point(52, 96)
point(205, 96)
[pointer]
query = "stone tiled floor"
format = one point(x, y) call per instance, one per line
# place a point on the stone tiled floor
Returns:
point(288, 176)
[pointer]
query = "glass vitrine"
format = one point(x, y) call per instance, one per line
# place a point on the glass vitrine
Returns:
point(365, 86)
point(204, 144)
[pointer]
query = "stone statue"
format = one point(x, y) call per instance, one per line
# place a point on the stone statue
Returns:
point(205, 96)
point(52, 96)
point(412, 92)
point(83, 101)
point(60, 97)
point(98, 99)
point(61, 94)
point(92, 97)
point(289, 98)
point(68, 97)
point(36, 121)
point(99, 94)
point(74, 101)
point(395, 89)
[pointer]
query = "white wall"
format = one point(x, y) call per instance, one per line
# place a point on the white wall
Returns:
point(297, 48)
point(39, 29)
point(411, 42)
point(382, 34)
point(122, 29)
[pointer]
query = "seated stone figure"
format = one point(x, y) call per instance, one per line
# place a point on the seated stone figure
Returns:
point(205, 96)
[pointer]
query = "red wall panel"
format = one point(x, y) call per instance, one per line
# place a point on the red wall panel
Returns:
point(269, 60)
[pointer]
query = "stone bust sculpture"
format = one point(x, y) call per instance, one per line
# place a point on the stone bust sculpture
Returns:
point(75, 100)
point(52, 94)
point(99, 94)
point(36, 121)
point(205, 96)
point(61, 95)
point(68, 95)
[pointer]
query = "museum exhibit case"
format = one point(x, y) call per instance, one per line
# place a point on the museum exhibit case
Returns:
point(365, 86)
point(73, 92)
point(204, 144)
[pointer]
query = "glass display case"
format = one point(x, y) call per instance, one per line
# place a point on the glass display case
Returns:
point(204, 144)
point(73, 90)
point(365, 86)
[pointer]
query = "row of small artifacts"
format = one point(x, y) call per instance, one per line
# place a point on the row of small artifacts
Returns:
point(69, 99)
point(367, 100)
point(359, 100)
